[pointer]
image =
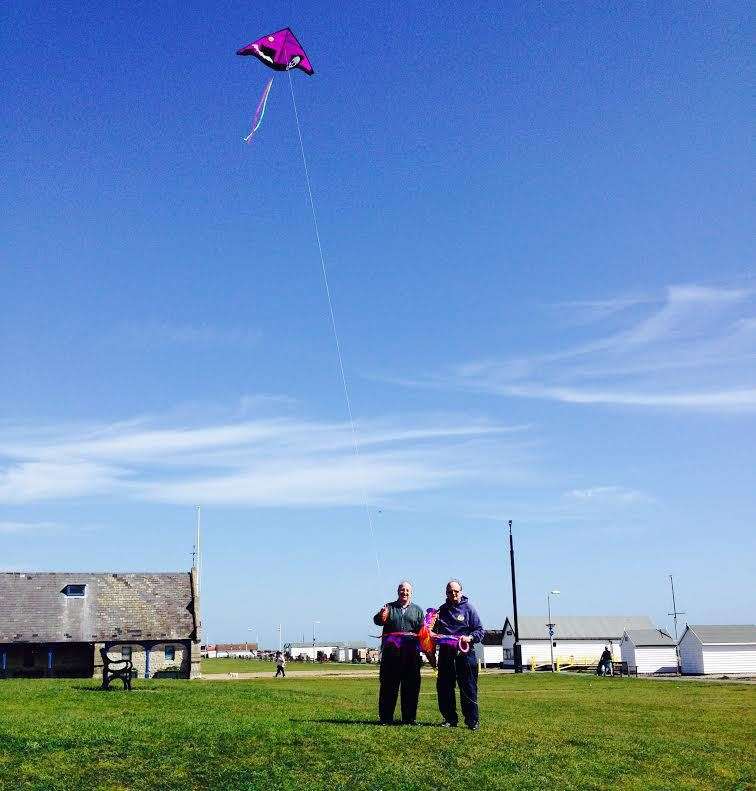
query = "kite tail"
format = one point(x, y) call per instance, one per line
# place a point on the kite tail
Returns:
point(259, 112)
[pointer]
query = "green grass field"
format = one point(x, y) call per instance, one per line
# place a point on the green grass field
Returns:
point(538, 732)
point(227, 665)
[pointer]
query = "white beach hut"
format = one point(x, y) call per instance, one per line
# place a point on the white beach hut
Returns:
point(718, 649)
point(490, 652)
point(648, 651)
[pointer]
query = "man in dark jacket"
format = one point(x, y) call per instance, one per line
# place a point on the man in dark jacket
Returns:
point(458, 617)
point(605, 663)
point(400, 656)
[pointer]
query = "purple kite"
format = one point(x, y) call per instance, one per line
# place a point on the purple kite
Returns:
point(280, 51)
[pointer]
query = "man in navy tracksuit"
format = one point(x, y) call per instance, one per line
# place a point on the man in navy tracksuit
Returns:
point(458, 617)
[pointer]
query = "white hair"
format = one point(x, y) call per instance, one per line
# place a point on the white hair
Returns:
point(459, 582)
point(405, 582)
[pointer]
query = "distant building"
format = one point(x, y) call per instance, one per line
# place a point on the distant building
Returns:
point(212, 650)
point(707, 649)
point(312, 651)
point(648, 651)
point(490, 652)
point(333, 651)
point(578, 639)
point(54, 624)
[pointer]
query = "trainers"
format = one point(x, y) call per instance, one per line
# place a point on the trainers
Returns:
point(447, 724)
point(474, 727)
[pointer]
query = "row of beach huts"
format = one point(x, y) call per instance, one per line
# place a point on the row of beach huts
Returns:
point(579, 641)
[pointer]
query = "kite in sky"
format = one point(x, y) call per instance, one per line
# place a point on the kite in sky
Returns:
point(279, 51)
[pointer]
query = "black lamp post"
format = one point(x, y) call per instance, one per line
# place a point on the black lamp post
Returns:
point(516, 647)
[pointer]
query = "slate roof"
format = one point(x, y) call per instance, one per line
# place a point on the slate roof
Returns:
point(33, 608)
point(580, 627)
point(743, 634)
point(644, 638)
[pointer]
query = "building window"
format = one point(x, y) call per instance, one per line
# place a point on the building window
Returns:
point(126, 652)
point(170, 653)
point(507, 653)
point(74, 590)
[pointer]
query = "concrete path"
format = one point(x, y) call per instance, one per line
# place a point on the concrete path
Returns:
point(292, 674)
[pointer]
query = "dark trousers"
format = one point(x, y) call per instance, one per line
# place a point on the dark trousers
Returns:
point(454, 668)
point(280, 671)
point(400, 668)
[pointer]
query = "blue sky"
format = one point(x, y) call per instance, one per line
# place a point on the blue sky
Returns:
point(536, 221)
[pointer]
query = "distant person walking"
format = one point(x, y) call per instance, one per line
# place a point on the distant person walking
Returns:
point(457, 617)
point(400, 656)
point(280, 664)
point(605, 663)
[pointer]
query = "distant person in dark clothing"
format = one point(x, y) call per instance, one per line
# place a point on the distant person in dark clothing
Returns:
point(605, 663)
point(280, 665)
point(400, 656)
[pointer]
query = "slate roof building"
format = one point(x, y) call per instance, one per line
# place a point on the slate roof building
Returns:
point(718, 649)
point(578, 639)
point(55, 623)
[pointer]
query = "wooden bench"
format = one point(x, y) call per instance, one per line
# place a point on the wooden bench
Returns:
point(115, 668)
point(621, 669)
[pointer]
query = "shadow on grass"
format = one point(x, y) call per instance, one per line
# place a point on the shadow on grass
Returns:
point(114, 688)
point(375, 723)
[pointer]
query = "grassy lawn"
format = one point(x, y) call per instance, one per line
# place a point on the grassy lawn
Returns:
point(538, 732)
point(229, 665)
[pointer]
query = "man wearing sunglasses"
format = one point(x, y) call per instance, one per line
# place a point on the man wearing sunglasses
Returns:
point(458, 665)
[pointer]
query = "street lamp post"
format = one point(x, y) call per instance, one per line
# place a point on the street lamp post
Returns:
point(551, 626)
point(257, 637)
point(314, 624)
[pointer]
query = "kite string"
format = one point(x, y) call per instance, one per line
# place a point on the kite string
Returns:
point(355, 443)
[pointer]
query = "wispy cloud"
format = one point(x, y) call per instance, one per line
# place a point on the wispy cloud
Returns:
point(608, 495)
point(266, 461)
point(157, 333)
point(29, 527)
point(694, 349)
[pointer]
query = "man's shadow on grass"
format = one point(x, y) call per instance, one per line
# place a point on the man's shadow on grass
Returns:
point(376, 723)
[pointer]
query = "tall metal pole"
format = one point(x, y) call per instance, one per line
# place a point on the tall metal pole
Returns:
point(551, 631)
point(674, 615)
point(675, 611)
point(516, 647)
point(199, 559)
